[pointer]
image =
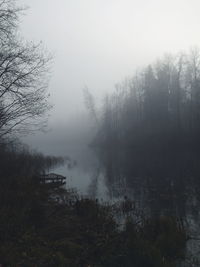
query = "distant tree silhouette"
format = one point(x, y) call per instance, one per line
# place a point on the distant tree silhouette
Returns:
point(162, 98)
point(90, 104)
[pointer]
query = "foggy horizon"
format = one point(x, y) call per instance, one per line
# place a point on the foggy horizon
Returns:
point(99, 133)
point(99, 43)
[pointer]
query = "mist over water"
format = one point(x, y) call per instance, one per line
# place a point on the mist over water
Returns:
point(138, 140)
point(99, 133)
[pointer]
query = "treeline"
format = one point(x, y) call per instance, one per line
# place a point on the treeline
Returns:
point(17, 159)
point(161, 98)
point(155, 116)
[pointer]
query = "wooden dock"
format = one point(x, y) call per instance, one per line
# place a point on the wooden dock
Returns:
point(53, 179)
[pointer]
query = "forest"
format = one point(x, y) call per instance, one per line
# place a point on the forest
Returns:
point(150, 124)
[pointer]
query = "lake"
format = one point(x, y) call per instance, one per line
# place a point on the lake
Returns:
point(109, 177)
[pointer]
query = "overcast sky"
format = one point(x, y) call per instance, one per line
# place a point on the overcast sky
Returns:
point(99, 42)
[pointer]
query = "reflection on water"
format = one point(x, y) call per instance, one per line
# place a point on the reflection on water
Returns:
point(110, 176)
point(86, 175)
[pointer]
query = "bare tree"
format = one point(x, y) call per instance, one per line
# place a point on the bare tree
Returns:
point(90, 103)
point(23, 76)
point(9, 16)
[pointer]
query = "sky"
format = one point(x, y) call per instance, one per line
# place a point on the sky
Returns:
point(98, 43)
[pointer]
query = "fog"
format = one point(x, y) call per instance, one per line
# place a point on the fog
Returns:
point(99, 43)
point(113, 178)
